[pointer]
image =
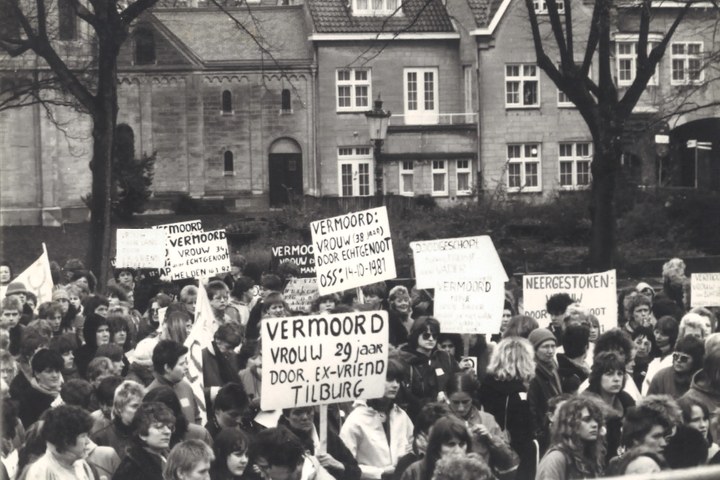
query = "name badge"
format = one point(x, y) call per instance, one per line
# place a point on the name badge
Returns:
point(439, 372)
point(523, 395)
point(185, 403)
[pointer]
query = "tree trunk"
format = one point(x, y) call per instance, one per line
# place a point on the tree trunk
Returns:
point(605, 166)
point(104, 121)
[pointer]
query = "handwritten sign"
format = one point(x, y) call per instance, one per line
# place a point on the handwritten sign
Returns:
point(314, 360)
point(452, 259)
point(140, 248)
point(705, 289)
point(299, 294)
point(595, 292)
point(352, 250)
point(470, 306)
point(301, 255)
point(198, 255)
point(173, 230)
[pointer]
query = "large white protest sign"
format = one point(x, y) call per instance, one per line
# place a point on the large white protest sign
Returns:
point(705, 289)
point(595, 292)
point(353, 250)
point(140, 248)
point(321, 359)
point(452, 259)
point(301, 255)
point(198, 255)
point(299, 294)
point(470, 306)
point(173, 230)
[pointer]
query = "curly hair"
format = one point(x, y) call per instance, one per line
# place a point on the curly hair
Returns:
point(665, 406)
point(605, 362)
point(125, 393)
point(513, 358)
point(614, 340)
point(147, 414)
point(468, 467)
point(565, 426)
point(64, 424)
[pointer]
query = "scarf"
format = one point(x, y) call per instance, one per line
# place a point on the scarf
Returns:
point(551, 372)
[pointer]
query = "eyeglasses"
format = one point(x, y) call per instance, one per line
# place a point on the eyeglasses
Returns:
point(681, 357)
point(428, 335)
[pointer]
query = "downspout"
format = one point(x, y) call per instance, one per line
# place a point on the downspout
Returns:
point(481, 176)
point(37, 146)
point(315, 90)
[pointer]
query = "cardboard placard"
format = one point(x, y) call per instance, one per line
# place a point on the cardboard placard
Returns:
point(470, 306)
point(299, 294)
point(595, 292)
point(452, 259)
point(140, 248)
point(198, 255)
point(301, 255)
point(321, 359)
point(353, 250)
point(705, 289)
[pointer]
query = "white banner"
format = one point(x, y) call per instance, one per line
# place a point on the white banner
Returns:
point(705, 289)
point(321, 359)
point(140, 248)
point(452, 259)
point(37, 278)
point(200, 337)
point(353, 250)
point(595, 292)
point(470, 306)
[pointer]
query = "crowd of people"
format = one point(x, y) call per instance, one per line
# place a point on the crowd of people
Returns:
point(93, 385)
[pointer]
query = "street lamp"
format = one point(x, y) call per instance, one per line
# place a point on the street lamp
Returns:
point(377, 120)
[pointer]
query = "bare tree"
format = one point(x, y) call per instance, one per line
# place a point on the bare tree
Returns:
point(598, 100)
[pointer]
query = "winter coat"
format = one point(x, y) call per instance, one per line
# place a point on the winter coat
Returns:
point(364, 436)
point(613, 419)
point(571, 374)
point(139, 464)
point(702, 391)
point(493, 449)
point(666, 381)
point(558, 464)
point(142, 374)
point(544, 386)
point(426, 376)
point(183, 390)
point(218, 369)
point(32, 403)
point(116, 435)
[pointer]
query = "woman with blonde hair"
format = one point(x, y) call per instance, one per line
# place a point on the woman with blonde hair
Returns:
point(577, 449)
point(503, 393)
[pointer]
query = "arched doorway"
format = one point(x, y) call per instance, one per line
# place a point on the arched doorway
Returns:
point(694, 159)
point(284, 171)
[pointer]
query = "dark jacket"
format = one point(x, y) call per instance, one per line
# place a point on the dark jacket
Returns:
point(116, 435)
point(139, 464)
point(397, 333)
point(86, 353)
point(218, 369)
point(542, 388)
point(703, 391)
point(31, 404)
point(571, 375)
point(425, 377)
point(140, 373)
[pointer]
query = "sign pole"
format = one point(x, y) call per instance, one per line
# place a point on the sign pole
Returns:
point(322, 448)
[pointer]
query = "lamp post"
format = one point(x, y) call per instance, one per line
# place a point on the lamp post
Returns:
point(377, 120)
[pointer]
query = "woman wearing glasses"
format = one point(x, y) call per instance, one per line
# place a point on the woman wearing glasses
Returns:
point(152, 426)
point(427, 367)
point(686, 361)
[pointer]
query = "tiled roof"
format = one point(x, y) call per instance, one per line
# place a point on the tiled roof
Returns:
point(335, 16)
point(484, 11)
point(213, 37)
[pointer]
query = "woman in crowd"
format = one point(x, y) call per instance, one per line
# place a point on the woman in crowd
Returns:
point(687, 360)
point(183, 430)
point(645, 349)
point(577, 449)
point(696, 415)
point(152, 428)
point(189, 460)
point(399, 315)
point(47, 366)
point(118, 433)
point(120, 332)
point(96, 331)
point(449, 436)
point(231, 456)
point(546, 383)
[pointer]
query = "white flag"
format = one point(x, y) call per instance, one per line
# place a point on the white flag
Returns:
point(38, 279)
point(200, 337)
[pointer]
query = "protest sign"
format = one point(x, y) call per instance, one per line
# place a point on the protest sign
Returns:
point(173, 230)
point(595, 292)
point(300, 255)
point(705, 289)
point(451, 259)
point(321, 359)
point(198, 255)
point(37, 278)
point(140, 248)
point(299, 294)
point(352, 250)
point(470, 306)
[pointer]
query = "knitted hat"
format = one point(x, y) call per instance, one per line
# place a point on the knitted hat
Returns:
point(60, 294)
point(643, 286)
point(15, 287)
point(540, 335)
point(143, 352)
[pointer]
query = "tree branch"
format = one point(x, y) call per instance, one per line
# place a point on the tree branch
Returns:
point(82, 12)
point(557, 29)
point(592, 41)
point(134, 10)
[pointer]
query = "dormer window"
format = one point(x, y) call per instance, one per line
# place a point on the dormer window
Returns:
point(376, 7)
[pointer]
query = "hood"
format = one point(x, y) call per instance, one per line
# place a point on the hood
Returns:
point(90, 327)
point(701, 383)
point(504, 387)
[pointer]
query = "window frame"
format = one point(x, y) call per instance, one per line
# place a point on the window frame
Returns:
point(632, 57)
point(355, 158)
point(141, 31)
point(523, 160)
point(521, 79)
point(404, 172)
point(686, 58)
point(286, 102)
point(228, 155)
point(353, 83)
point(574, 159)
point(229, 102)
point(463, 170)
point(369, 11)
point(422, 116)
point(439, 171)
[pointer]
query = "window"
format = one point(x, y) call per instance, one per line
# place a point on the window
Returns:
point(524, 168)
point(541, 6)
point(228, 163)
point(354, 169)
point(285, 101)
point(144, 47)
point(227, 101)
point(575, 161)
point(353, 90)
point(407, 168)
point(521, 86)
point(376, 7)
point(421, 94)
point(626, 63)
point(67, 21)
point(686, 60)
point(464, 178)
point(439, 177)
